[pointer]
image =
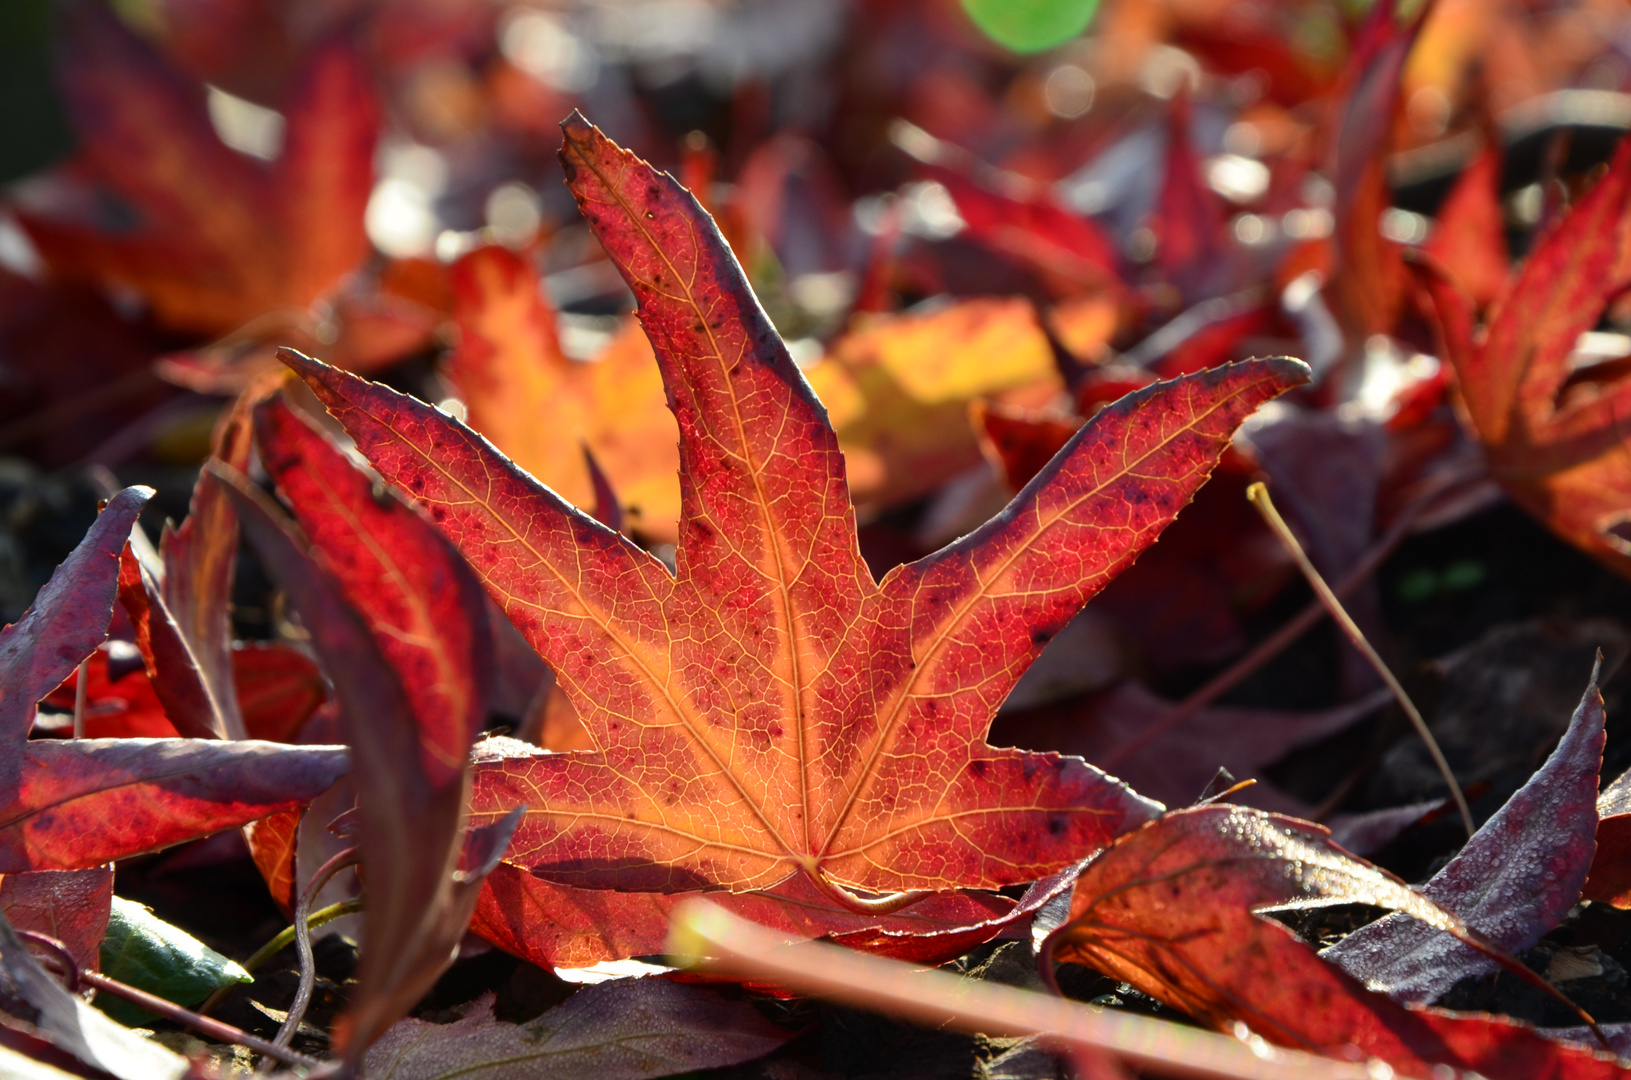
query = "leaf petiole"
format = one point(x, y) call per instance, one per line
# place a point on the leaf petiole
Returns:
point(887, 904)
point(734, 946)
point(1258, 494)
point(302, 937)
point(284, 939)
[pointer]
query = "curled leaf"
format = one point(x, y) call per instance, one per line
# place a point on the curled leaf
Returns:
point(1172, 909)
point(64, 624)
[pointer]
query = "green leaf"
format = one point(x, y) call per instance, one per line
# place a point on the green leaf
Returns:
point(150, 954)
point(1027, 26)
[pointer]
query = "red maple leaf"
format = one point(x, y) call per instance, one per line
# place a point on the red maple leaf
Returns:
point(1555, 439)
point(219, 238)
point(1171, 909)
point(768, 709)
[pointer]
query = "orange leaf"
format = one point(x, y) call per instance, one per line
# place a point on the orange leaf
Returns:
point(897, 389)
point(769, 709)
point(541, 408)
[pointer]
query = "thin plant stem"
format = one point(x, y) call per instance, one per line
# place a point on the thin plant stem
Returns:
point(1258, 493)
point(283, 940)
point(1274, 644)
point(302, 928)
point(204, 1025)
point(75, 976)
point(82, 678)
point(740, 949)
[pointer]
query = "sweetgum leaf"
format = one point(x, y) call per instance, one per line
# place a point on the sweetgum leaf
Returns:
point(1560, 452)
point(401, 625)
point(1031, 227)
point(1469, 234)
point(199, 560)
point(171, 668)
point(29, 994)
point(1513, 882)
point(119, 700)
point(1172, 909)
point(559, 926)
point(1610, 878)
point(150, 954)
point(277, 687)
point(897, 389)
point(1193, 249)
point(541, 408)
point(769, 709)
point(1368, 284)
point(272, 843)
point(222, 237)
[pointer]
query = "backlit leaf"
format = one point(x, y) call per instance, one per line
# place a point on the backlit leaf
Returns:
point(83, 802)
point(406, 645)
point(70, 905)
point(1558, 450)
point(1171, 909)
point(771, 710)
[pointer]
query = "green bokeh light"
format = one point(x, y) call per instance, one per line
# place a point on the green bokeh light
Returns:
point(1028, 26)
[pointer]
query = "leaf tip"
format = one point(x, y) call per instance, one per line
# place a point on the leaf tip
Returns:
point(136, 493)
point(1289, 370)
point(576, 131)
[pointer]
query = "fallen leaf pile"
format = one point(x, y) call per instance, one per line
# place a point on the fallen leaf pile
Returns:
point(462, 565)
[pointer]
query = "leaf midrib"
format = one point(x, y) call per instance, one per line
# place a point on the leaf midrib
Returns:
point(774, 535)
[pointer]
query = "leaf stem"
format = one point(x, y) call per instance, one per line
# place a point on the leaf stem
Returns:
point(1275, 643)
point(204, 1025)
point(302, 937)
point(283, 940)
point(81, 679)
point(1258, 493)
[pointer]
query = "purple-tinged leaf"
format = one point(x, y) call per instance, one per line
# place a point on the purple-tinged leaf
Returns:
point(199, 559)
point(69, 905)
point(1515, 880)
point(65, 624)
point(400, 624)
point(627, 1029)
point(84, 802)
point(29, 994)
